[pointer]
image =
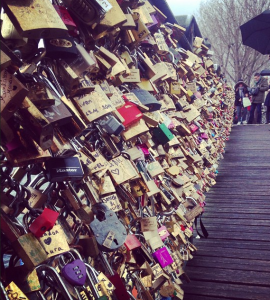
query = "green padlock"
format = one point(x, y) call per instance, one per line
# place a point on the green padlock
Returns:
point(163, 134)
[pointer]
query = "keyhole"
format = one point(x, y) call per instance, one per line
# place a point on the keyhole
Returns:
point(115, 240)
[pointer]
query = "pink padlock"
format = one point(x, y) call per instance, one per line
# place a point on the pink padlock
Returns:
point(163, 232)
point(144, 149)
point(163, 257)
point(132, 242)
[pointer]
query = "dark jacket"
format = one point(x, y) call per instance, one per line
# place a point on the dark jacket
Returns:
point(267, 99)
point(237, 96)
point(263, 87)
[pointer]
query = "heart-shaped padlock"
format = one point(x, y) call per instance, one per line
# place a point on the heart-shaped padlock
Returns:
point(75, 272)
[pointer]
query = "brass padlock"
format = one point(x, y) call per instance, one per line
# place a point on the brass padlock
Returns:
point(13, 93)
point(35, 19)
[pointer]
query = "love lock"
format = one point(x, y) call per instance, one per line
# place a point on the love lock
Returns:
point(110, 233)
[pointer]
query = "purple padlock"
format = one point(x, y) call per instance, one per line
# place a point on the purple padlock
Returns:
point(75, 272)
point(163, 257)
point(155, 22)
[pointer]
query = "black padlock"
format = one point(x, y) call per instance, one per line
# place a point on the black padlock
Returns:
point(111, 125)
point(178, 106)
point(147, 99)
point(110, 233)
point(61, 47)
point(60, 169)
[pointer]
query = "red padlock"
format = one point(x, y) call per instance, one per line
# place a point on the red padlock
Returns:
point(132, 242)
point(130, 113)
point(44, 222)
point(66, 18)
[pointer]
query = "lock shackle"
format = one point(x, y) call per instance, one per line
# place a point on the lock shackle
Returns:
point(191, 198)
point(57, 278)
point(49, 85)
point(122, 86)
point(62, 262)
point(3, 292)
point(51, 78)
point(37, 56)
point(99, 207)
point(172, 57)
point(91, 281)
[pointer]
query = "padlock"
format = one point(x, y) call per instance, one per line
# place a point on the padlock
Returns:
point(61, 47)
point(44, 222)
point(24, 150)
point(162, 134)
point(108, 230)
point(130, 113)
point(37, 26)
point(82, 211)
point(59, 113)
point(82, 87)
point(87, 12)
point(110, 124)
point(26, 246)
point(147, 99)
point(75, 272)
point(43, 269)
point(163, 256)
point(39, 94)
point(8, 31)
point(120, 289)
point(83, 62)
point(132, 242)
point(64, 169)
point(162, 47)
point(33, 120)
point(88, 242)
point(66, 18)
point(9, 60)
point(141, 31)
point(12, 94)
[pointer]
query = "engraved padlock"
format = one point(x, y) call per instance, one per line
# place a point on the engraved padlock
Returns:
point(107, 228)
point(111, 125)
point(147, 99)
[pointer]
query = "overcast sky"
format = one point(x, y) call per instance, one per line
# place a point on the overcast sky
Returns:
point(184, 7)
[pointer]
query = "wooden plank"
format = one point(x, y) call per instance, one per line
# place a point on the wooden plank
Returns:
point(214, 220)
point(249, 277)
point(229, 263)
point(230, 228)
point(235, 215)
point(234, 253)
point(231, 291)
point(240, 209)
point(197, 297)
point(239, 235)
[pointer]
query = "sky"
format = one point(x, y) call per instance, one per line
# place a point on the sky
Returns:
point(184, 7)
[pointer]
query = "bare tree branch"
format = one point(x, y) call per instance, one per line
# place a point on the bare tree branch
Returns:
point(219, 21)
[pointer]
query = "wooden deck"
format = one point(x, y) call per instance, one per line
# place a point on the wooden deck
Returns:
point(234, 262)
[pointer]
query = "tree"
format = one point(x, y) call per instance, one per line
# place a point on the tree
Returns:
point(219, 21)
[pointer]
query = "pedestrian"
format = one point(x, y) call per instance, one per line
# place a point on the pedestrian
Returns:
point(267, 104)
point(241, 91)
point(258, 93)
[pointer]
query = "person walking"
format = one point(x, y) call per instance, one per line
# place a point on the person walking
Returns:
point(267, 104)
point(241, 91)
point(257, 92)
